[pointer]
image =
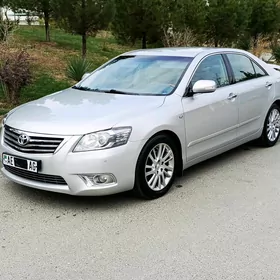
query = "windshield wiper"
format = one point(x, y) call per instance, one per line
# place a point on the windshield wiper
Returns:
point(88, 89)
point(119, 92)
point(105, 90)
point(82, 88)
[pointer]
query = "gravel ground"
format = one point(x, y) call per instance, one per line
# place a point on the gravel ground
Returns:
point(220, 221)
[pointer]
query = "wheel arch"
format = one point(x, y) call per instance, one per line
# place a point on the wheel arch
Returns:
point(174, 137)
point(277, 102)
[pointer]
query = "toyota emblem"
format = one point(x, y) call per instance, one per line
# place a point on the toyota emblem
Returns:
point(23, 139)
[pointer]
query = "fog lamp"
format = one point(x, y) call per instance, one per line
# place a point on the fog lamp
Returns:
point(103, 180)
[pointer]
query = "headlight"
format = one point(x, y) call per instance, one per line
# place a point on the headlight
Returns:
point(103, 139)
point(4, 120)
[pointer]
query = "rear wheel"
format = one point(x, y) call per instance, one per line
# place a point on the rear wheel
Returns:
point(156, 168)
point(271, 130)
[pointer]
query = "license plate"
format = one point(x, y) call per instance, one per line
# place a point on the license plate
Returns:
point(21, 163)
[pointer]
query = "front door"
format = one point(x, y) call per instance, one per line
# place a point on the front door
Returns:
point(211, 119)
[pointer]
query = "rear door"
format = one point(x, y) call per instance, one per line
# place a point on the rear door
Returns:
point(251, 85)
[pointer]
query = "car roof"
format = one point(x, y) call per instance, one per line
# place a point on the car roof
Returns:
point(182, 51)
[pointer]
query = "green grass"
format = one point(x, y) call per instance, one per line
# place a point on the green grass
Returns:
point(43, 84)
point(96, 46)
point(3, 111)
point(63, 39)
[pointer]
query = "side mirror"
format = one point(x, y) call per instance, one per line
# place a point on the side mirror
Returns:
point(85, 76)
point(204, 86)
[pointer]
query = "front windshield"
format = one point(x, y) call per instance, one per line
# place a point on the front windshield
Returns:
point(151, 75)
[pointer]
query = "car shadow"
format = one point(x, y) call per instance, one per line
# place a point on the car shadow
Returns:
point(107, 203)
point(62, 201)
point(217, 161)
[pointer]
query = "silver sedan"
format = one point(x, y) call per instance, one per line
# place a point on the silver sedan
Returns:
point(139, 120)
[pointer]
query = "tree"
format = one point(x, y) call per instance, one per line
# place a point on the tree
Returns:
point(83, 17)
point(39, 7)
point(7, 26)
point(265, 18)
point(226, 20)
point(189, 14)
point(149, 20)
point(137, 19)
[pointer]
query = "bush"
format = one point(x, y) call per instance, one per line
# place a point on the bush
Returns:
point(276, 53)
point(185, 38)
point(260, 45)
point(15, 73)
point(77, 67)
point(244, 43)
point(4, 89)
point(6, 28)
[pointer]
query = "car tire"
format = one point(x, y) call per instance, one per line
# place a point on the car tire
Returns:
point(271, 129)
point(156, 167)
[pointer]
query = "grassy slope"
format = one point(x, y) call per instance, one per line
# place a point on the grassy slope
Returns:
point(50, 59)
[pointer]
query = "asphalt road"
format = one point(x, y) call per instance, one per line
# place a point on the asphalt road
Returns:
point(223, 223)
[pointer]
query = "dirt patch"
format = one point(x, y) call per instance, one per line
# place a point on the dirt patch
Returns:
point(45, 55)
point(51, 58)
point(104, 34)
point(118, 48)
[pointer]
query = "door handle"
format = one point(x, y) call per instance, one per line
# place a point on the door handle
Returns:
point(268, 84)
point(232, 96)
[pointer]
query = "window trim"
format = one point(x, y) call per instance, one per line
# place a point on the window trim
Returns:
point(228, 71)
point(251, 60)
point(229, 67)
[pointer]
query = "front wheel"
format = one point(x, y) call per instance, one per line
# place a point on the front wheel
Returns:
point(271, 130)
point(156, 168)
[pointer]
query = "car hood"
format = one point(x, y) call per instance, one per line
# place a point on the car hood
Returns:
point(75, 112)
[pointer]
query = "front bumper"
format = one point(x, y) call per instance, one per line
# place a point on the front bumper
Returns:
point(120, 161)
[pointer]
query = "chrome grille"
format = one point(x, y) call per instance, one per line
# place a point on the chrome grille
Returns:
point(36, 144)
point(38, 177)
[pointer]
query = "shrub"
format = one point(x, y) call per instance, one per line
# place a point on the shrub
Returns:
point(15, 73)
point(276, 53)
point(260, 45)
point(185, 38)
point(244, 43)
point(77, 67)
point(4, 89)
point(6, 28)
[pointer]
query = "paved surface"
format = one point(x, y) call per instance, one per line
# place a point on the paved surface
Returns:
point(223, 223)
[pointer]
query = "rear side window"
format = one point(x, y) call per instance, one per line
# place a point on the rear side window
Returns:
point(242, 67)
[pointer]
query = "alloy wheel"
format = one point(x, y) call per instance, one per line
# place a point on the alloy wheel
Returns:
point(159, 167)
point(273, 125)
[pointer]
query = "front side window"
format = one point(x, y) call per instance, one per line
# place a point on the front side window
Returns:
point(149, 75)
point(212, 68)
point(242, 67)
point(259, 71)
